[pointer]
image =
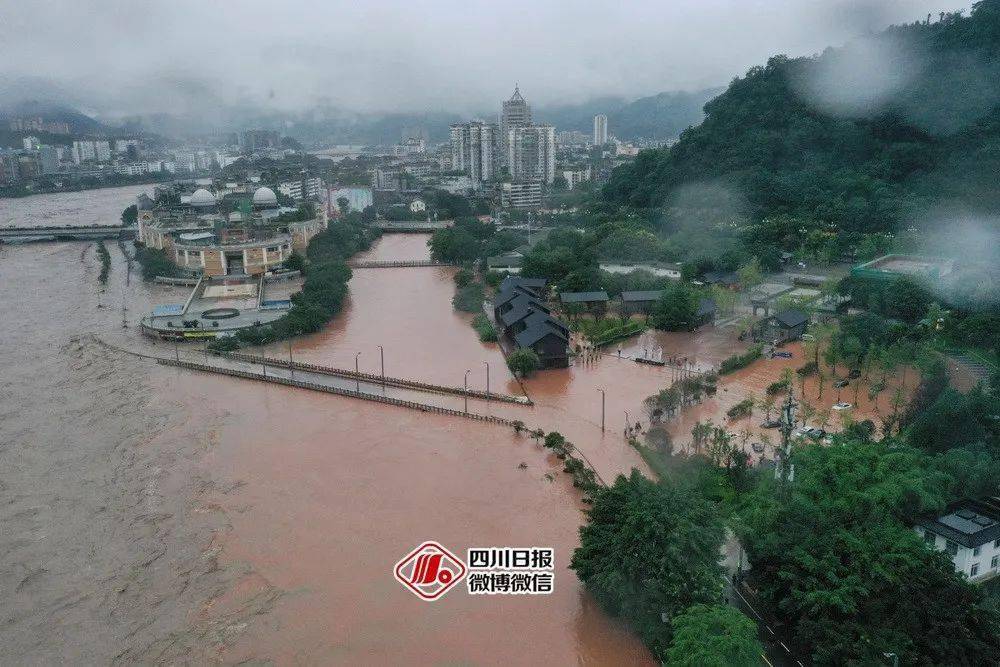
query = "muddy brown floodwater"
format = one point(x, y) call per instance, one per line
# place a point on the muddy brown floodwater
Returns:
point(153, 514)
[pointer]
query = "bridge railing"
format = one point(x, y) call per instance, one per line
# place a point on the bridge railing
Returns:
point(290, 382)
point(372, 377)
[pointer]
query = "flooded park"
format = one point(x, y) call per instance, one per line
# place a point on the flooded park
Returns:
point(156, 513)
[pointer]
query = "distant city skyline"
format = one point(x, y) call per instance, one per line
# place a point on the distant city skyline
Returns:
point(383, 56)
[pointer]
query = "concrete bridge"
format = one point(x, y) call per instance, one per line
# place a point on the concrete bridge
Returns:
point(394, 264)
point(415, 227)
point(65, 233)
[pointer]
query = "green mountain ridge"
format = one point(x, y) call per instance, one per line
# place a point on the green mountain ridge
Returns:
point(775, 136)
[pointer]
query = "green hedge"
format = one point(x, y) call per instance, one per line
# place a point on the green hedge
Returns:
point(620, 332)
point(484, 328)
point(738, 361)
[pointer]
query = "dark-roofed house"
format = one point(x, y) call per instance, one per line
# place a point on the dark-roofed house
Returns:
point(507, 301)
point(525, 321)
point(595, 302)
point(781, 327)
point(721, 278)
point(969, 531)
point(706, 312)
point(548, 342)
point(534, 285)
point(640, 301)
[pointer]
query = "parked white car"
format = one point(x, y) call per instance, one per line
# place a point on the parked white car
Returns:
point(842, 406)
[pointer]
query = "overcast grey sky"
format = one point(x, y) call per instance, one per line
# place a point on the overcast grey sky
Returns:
point(124, 56)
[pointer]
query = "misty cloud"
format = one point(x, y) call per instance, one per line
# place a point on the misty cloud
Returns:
point(186, 56)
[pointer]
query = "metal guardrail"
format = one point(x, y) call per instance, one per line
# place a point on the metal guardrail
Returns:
point(371, 377)
point(249, 375)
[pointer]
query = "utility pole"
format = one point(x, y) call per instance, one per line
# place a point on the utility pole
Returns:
point(381, 357)
point(602, 409)
point(487, 380)
point(784, 470)
point(291, 367)
point(177, 352)
point(467, 390)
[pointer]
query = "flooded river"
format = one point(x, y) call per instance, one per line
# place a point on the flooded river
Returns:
point(155, 514)
point(87, 207)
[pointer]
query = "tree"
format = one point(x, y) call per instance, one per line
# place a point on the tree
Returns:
point(130, 215)
point(750, 274)
point(523, 362)
point(676, 310)
point(714, 636)
point(835, 552)
point(648, 552)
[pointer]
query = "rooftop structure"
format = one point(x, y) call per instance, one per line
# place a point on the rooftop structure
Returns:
point(969, 531)
point(914, 266)
point(234, 234)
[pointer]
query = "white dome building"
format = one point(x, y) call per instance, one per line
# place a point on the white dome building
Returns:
point(202, 198)
point(265, 198)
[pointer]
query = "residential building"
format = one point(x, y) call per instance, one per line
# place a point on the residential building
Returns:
point(526, 194)
point(969, 532)
point(600, 129)
point(576, 176)
point(102, 151)
point(411, 146)
point(358, 198)
point(83, 151)
point(515, 113)
point(780, 328)
point(474, 150)
point(30, 143)
point(531, 153)
point(255, 140)
point(301, 189)
point(48, 157)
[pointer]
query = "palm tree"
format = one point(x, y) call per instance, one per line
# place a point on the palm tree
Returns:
point(537, 434)
point(518, 426)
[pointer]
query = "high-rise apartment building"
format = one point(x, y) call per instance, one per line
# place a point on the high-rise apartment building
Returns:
point(515, 113)
point(531, 153)
point(600, 129)
point(474, 150)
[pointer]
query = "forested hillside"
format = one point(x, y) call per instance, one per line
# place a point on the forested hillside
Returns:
point(863, 138)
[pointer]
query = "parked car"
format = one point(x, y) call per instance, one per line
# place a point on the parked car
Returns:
point(808, 336)
point(757, 447)
point(842, 406)
point(840, 384)
point(815, 433)
point(783, 355)
point(770, 423)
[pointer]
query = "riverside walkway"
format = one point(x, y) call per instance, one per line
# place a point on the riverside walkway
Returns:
point(396, 391)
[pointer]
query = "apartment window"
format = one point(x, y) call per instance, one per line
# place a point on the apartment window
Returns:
point(975, 551)
point(929, 537)
point(951, 548)
point(974, 570)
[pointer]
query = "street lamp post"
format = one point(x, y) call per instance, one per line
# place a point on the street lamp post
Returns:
point(381, 357)
point(487, 380)
point(627, 425)
point(357, 374)
point(467, 390)
point(602, 408)
point(291, 365)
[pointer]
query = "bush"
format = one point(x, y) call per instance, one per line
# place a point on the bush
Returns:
point(481, 324)
point(809, 369)
point(741, 409)
point(463, 277)
point(469, 299)
point(738, 361)
point(102, 252)
point(523, 362)
point(776, 388)
point(155, 263)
